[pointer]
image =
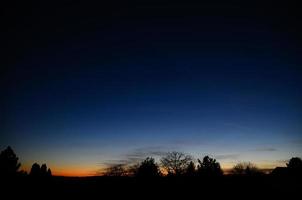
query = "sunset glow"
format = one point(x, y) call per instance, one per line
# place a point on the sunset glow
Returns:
point(122, 83)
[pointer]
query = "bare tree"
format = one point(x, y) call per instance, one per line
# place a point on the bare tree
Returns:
point(245, 168)
point(116, 170)
point(175, 163)
point(132, 169)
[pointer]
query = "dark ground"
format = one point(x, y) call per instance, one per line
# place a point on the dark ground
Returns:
point(129, 188)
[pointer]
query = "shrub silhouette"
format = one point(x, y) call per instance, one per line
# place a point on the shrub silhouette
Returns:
point(9, 164)
point(209, 167)
point(175, 163)
point(148, 168)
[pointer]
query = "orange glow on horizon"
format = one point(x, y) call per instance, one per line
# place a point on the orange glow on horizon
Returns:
point(80, 171)
point(71, 171)
point(86, 170)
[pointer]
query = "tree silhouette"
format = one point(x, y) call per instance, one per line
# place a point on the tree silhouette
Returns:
point(191, 170)
point(35, 170)
point(43, 170)
point(40, 172)
point(209, 167)
point(148, 168)
point(116, 170)
point(132, 169)
point(294, 166)
point(246, 168)
point(175, 163)
point(294, 163)
point(49, 174)
point(9, 164)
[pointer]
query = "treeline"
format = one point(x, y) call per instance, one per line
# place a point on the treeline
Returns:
point(178, 164)
point(10, 167)
point(173, 164)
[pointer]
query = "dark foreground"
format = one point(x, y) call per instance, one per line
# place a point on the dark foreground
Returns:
point(129, 188)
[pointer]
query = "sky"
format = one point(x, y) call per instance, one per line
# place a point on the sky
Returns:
point(88, 85)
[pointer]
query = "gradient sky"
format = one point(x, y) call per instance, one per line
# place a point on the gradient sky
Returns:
point(85, 86)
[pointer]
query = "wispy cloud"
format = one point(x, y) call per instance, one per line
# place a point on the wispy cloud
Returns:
point(137, 155)
point(265, 149)
point(108, 163)
point(296, 142)
point(236, 126)
point(146, 151)
point(192, 142)
point(227, 156)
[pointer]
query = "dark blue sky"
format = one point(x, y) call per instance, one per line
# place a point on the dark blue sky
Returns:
point(88, 85)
